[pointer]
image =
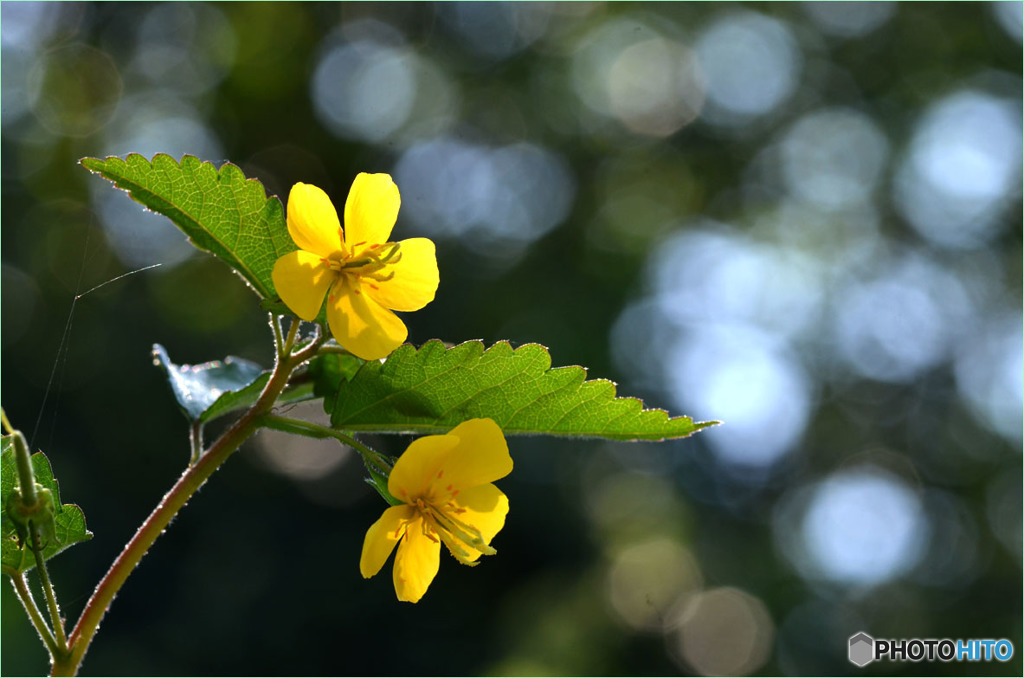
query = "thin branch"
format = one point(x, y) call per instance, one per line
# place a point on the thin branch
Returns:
point(195, 438)
point(28, 601)
point(35, 543)
point(187, 485)
point(311, 430)
point(6, 422)
point(275, 323)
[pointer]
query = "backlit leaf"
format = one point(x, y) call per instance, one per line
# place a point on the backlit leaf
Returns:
point(433, 389)
point(220, 211)
point(69, 519)
point(218, 387)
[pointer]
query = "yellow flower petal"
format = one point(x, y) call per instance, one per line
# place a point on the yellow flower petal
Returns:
point(313, 221)
point(416, 562)
point(419, 463)
point(414, 278)
point(381, 538)
point(480, 457)
point(302, 280)
point(360, 324)
point(484, 507)
point(371, 210)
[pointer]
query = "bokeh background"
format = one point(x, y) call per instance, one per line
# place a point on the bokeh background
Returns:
point(801, 219)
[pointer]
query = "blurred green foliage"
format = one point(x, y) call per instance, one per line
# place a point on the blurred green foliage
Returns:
point(803, 219)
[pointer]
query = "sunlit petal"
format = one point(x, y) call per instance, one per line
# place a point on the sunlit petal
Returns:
point(483, 507)
point(371, 210)
point(480, 457)
point(360, 324)
point(313, 221)
point(416, 562)
point(381, 538)
point(418, 465)
point(414, 277)
point(302, 280)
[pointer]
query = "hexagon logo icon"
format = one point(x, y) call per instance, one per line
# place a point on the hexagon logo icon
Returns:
point(862, 649)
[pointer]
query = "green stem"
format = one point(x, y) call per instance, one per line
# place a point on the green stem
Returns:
point(311, 430)
point(275, 323)
point(190, 481)
point(29, 603)
point(29, 499)
point(26, 478)
point(289, 343)
point(6, 422)
point(195, 438)
point(377, 465)
point(35, 543)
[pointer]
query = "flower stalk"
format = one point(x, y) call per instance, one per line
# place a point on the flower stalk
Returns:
point(28, 601)
point(35, 543)
point(377, 465)
point(31, 508)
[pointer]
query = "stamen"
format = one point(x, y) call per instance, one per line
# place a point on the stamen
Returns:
point(461, 530)
point(332, 264)
point(460, 554)
point(457, 551)
point(380, 277)
point(395, 250)
point(427, 531)
point(455, 507)
point(371, 262)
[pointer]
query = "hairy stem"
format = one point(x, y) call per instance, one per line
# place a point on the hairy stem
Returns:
point(283, 350)
point(29, 603)
point(377, 465)
point(311, 430)
point(35, 543)
point(275, 324)
point(187, 485)
point(195, 438)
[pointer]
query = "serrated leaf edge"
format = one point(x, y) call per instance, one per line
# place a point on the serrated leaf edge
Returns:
point(96, 166)
point(502, 345)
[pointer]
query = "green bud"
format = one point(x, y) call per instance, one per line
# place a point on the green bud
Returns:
point(378, 480)
point(24, 463)
point(40, 513)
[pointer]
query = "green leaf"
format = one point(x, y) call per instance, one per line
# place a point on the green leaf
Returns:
point(330, 371)
point(69, 519)
point(434, 389)
point(212, 389)
point(220, 211)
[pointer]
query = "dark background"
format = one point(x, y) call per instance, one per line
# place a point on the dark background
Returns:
point(801, 219)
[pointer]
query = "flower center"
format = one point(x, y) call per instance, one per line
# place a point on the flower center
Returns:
point(454, 532)
point(370, 262)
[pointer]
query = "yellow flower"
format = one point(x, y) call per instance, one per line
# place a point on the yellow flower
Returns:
point(445, 482)
point(363, 275)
